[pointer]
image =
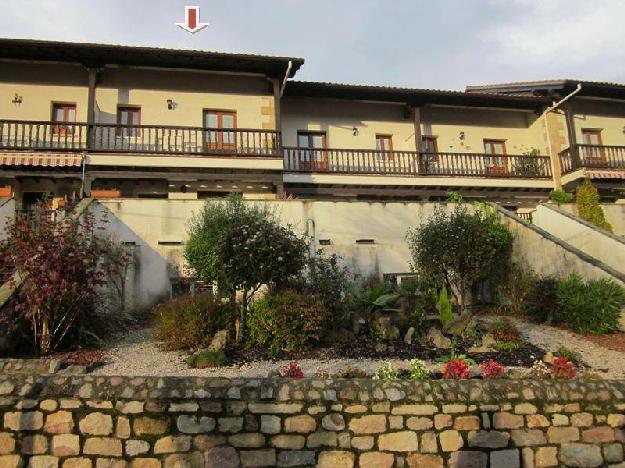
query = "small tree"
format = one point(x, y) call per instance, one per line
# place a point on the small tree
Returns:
point(63, 265)
point(588, 205)
point(458, 248)
point(242, 247)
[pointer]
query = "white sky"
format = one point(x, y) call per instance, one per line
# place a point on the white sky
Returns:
point(430, 44)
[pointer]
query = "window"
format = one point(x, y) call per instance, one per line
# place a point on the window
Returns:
point(218, 121)
point(128, 118)
point(311, 144)
point(429, 144)
point(592, 137)
point(63, 113)
point(495, 160)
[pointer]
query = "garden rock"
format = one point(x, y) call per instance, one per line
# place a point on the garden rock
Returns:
point(435, 338)
point(220, 340)
point(487, 346)
point(408, 336)
point(460, 324)
point(384, 328)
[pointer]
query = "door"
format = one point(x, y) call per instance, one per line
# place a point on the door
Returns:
point(495, 160)
point(594, 154)
point(65, 113)
point(128, 121)
point(312, 154)
point(429, 159)
point(217, 137)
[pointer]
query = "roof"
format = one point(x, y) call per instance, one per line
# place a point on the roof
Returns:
point(90, 54)
point(411, 96)
point(550, 87)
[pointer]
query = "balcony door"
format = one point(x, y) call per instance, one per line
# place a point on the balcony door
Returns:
point(217, 123)
point(495, 158)
point(65, 113)
point(384, 144)
point(312, 150)
point(595, 153)
point(128, 120)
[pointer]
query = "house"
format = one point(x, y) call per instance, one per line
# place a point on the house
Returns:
point(114, 121)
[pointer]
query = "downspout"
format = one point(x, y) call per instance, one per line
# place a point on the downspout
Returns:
point(82, 181)
point(286, 77)
point(553, 107)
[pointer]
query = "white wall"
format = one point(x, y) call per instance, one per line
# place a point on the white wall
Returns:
point(614, 214)
point(608, 249)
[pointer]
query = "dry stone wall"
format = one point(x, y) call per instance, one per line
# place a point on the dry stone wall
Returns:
point(83, 421)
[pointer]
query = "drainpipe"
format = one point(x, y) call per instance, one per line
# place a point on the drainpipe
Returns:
point(310, 228)
point(556, 170)
point(286, 77)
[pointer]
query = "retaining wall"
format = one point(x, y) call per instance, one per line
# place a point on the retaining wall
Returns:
point(614, 214)
point(94, 421)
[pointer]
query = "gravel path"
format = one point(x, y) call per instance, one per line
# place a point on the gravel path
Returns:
point(138, 353)
point(609, 364)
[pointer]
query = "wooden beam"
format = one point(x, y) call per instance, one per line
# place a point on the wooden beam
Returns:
point(186, 176)
point(570, 129)
point(276, 103)
point(93, 78)
point(417, 128)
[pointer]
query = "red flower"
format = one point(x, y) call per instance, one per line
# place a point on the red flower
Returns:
point(492, 369)
point(562, 368)
point(293, 370)
point(456, 369)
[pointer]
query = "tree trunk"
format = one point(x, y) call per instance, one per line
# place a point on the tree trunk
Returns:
point(242, 318)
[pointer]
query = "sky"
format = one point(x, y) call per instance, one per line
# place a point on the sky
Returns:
point(440, 44)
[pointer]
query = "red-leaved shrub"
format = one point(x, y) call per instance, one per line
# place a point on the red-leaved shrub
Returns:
point(562, 368)
point(492, 369)
point(456, 369)
point(293, 370)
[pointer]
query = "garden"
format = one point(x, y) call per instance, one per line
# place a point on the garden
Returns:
point(277, 308)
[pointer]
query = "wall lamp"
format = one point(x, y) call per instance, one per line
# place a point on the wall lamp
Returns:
point(355, 131)
point(461, 136)
point(171, 105)
point(17, 99)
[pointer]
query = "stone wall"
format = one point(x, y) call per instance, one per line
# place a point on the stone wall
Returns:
point(94, 421)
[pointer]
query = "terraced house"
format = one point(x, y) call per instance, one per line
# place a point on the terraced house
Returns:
point(117, 121)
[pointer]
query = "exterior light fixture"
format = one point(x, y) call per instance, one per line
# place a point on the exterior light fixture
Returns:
point(171, 105)
point(355, 131)
point(461, 136)
point(17, 99)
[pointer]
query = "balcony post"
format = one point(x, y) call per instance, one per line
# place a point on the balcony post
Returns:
point(570, 128)
point(93, 78)
point(278, 116)
point(416, 111)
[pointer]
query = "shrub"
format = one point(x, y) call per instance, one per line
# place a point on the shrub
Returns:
point(459, 249)
point(567, 353)
point(562, 368)
point(292, 370)
point(517, 289)
point(189, 322)
point(539, 371)
point(542, 302)
point(386, 372)
point(350, 373)
point(207, 358)
point(560, 196)
point(444, 307)
point(505, 330)
point(592, 306)
point(287, 321)
point(457, 357)
point(506, 346)
point(418, 370)
point(588, 205)
point(456, 369)
point(492, 369)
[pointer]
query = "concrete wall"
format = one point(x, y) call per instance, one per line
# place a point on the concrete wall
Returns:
point(607, 248)
point(547, 255)
point(166, 422)
point(7, 211)
point(614, 214)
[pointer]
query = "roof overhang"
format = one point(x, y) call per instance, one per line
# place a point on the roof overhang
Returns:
point(595, 89)
point(98, 55)
point(411, 96)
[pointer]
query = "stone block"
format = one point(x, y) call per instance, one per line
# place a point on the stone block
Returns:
point(296, 458)
point(11, 461)
point(145, 463)
point(270, 424)
point(525, 408)
point(441, 421)
point(417, 423)
point(505, 458)
point(184, 460)
point(450, 440)
point(7, 443)
point(253, 458)
point(188, 424)
point(172, 444)
point(613, 453)
point(229, 425)
point(321, 439)
point(415, 410)
point(247, 440)
point(528, 437)
point(77, 463)
point(467, 423)
point(559, 435)
point(148, 425)
point(376, 460)
point(537, 420)
point(105, 446)
point(34, 444)
point(136, 447)
point(582, 419)
point(404, 441)
point(416, 460)
point(222, 457)
point(598, 435)
point(64, 445)
point(586, 455)
point(23, 421)
point(287, 441)
point(122, 428)
point(468, 459)
point(333, 422)
point(43, 461)
point(96, 424)
point(488, 439)
point(275, 408)
point(507, 421)
point(362, 442)
point(371, 424)
point(336, 459)
point(546, 456)
point(301, 424)
point(429, 443)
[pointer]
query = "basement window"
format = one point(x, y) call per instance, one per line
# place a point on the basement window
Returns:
point(365, 241)
point(325, 242)
point(163, 242)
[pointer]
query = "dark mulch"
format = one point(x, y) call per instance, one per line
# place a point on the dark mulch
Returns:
point(365, 348)
point(81, 357)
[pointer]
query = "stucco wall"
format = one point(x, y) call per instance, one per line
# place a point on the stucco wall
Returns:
point(548, 255)
point(607, 116)
point(608, 249)
point(614, 214)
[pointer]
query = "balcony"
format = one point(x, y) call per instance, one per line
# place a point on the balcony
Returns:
point(411, 163)
point(592, 157)
point(139, 139)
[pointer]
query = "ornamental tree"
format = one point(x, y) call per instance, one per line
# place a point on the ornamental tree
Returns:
point(459, 248)
point(589, 207)
point(63, 265)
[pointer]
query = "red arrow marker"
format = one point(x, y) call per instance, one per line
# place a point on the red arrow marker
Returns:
point(192, 22)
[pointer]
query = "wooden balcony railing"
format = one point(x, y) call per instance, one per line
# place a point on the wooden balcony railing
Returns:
point(593, 157)
point(410, 163)
point(149, 139)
